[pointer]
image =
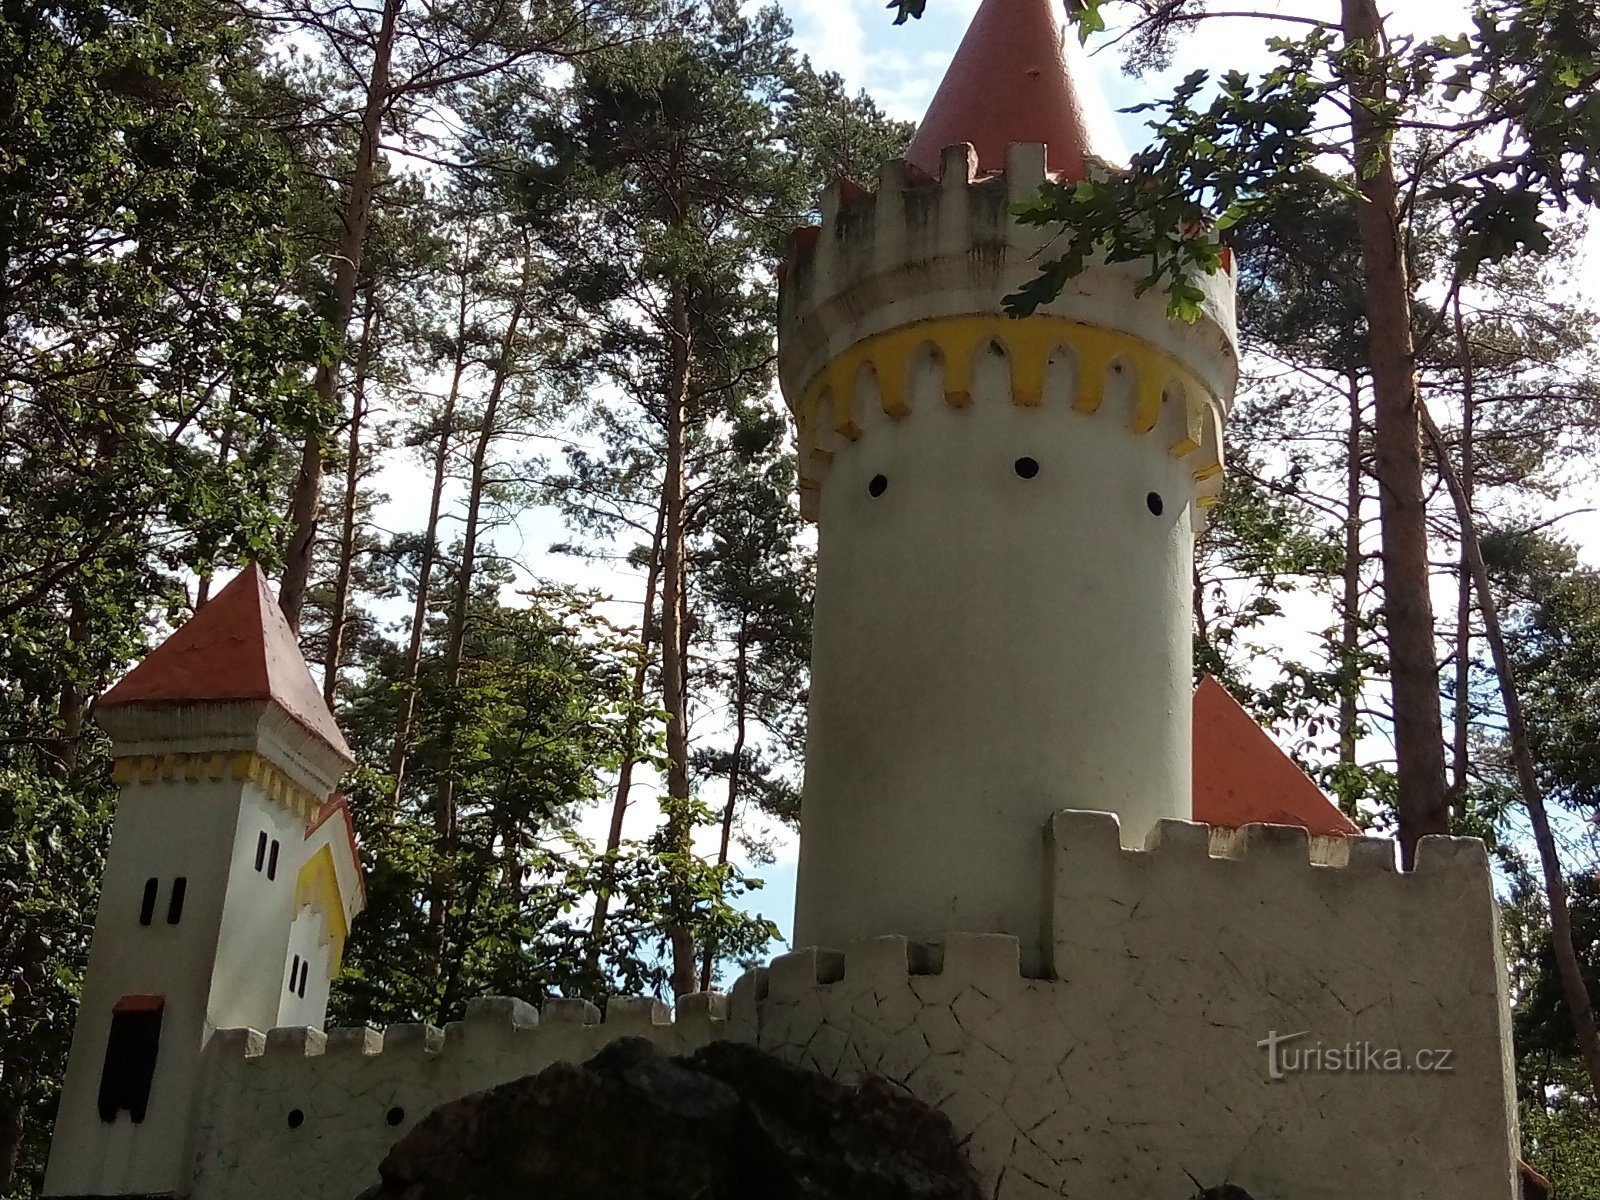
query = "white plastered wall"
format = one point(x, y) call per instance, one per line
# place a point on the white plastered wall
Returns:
point(1133, 1065)
point(161, 830)
point(246, 984)
point(302, 1115)
point(1137, 1063)
point(988, 649)
point(308, 945)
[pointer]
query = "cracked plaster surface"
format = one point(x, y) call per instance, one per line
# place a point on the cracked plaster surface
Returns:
point(1133, 1065)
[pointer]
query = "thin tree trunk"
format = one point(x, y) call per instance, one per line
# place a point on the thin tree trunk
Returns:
point(444, 819)
point(630, 751)
point(1408, 608)
point(400, 754)
point(70, 708)
point(1463, 705)
point(1350, 616)
point(306, 498)
point(11, 1129)
point(333, 654)
point(202, 591)
point(741, 705)
point(674, 676)
point(1202, 624)
point(1573, 989)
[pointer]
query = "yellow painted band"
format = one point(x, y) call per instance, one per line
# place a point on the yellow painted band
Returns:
point(317, 884)
point(1030, 345)
point(242, 767)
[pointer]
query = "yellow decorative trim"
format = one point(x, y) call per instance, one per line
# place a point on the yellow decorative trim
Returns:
point(1147, 409)
point(242, 767)
point(1030, 345)
point(317, 884)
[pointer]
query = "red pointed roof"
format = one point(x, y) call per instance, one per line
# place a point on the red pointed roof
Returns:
point(1008, 82)
point(238, 646)
point(1241, 776)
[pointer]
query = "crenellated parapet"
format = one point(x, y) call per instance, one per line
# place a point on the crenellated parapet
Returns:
point(912, 276)
point(327, 1106)
point(1227, 1005)
point(1128, 1060)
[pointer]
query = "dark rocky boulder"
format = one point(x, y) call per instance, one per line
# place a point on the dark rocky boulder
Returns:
point(632, 1124)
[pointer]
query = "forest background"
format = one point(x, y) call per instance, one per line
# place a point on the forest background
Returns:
point(460, 320)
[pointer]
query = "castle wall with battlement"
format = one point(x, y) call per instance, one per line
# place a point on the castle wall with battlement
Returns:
point(1131, 1063)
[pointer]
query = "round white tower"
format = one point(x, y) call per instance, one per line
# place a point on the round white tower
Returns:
point(1005, 512)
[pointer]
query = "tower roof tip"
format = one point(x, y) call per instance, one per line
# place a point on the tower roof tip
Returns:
point(1008, 82)
point(237, 646)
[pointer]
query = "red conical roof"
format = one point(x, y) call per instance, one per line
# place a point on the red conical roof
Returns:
point(1008, 82)
point(238, 646)
point(1241, 776)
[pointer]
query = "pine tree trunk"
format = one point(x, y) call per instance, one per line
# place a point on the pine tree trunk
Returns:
point(72, 700)
point(674, 674)
point(1202, 623)
point(741, 705)
point(202, 591)
point(1350, 615)
point(306, 498)
point(401, 752)
point(11, 1130)
point(1463, 650)
point(1573, 989)
point(630, 751)
point(333, 654)
point(1407, 607)
point(445, 815)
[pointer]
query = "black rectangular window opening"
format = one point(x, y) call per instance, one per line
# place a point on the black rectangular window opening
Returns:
point(272, 860)
point(147, 906)
point(305, 968)
point(131, 1051)
point(180, 886)
point(294, 970)
point(261, 849)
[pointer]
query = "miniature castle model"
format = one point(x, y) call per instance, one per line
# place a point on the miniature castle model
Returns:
point(1004, 904)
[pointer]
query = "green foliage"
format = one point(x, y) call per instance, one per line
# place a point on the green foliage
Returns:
point(1247, 147)
point(1560, 1133)
point(1553, 627)
point(487, 903)
point(52, 838)
point(1522, 80)
point(151, 368)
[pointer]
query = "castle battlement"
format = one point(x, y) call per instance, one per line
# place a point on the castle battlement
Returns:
point(504, 1020)
point(1100, 1075)
point(919, 249)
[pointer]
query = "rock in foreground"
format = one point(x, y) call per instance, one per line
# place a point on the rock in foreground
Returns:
point(632, 1124)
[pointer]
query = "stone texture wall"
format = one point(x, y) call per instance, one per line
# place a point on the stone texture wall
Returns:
point(1132, 1066)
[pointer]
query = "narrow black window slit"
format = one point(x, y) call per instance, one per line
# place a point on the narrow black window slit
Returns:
point(180, 889)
